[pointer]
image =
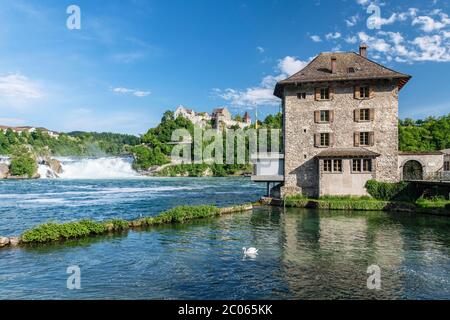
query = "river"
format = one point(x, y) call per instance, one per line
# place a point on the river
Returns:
point(304, 254)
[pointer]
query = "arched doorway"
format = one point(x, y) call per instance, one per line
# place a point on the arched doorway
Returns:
point(412, 170)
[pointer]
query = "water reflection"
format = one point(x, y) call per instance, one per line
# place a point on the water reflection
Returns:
point(303, 254)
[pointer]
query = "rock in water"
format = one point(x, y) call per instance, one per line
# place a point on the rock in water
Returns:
point(55, 165)
point(4, 241)
point(14, 241)
point(4, 170)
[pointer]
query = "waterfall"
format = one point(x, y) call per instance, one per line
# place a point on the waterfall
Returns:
point(91, 168)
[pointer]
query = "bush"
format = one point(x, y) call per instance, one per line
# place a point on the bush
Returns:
point(184, 213)
point(389, 191)
point(53, 232)
point(23, 165)
point(432, 203)
point(117, 225)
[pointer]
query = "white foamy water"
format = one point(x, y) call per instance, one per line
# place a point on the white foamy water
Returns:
point(97, 168)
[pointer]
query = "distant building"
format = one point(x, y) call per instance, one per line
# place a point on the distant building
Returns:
point(220, 118)
point(200, 119)
point(247, 118)
point(29, 129)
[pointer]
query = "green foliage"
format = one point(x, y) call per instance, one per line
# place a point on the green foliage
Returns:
point(363, 203)
point(117, 225)
point(71, 144)
point(145, 157)
point(158, 148)
point(435, 202)
point(51, 231)
point(185, 213)
point(389, 191)
point(23, 162)
point(424, 135)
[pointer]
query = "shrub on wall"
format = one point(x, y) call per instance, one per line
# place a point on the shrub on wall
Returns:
point(400, 191)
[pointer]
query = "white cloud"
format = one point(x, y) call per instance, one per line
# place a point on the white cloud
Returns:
point(378, 22)
point(351, 39)
point(333, 36)
point(261, 95)
point(260, 49)
point(316, 38)
point(18, 86)
point(134, 92)
point(352, 21)
point(290, 65)
point(428, 24)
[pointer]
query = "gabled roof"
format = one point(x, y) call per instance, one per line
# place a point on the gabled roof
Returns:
point(347, 153)
point(319, 70)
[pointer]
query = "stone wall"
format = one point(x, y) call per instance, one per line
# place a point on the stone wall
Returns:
point(431, 162)
point(301, 166)
point(345, 183)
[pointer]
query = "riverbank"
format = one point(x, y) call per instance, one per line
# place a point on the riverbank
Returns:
point(438, 207)
point(53, 232)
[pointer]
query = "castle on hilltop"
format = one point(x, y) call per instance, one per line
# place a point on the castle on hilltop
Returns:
point(220, 118)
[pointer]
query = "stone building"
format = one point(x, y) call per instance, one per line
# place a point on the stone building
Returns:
point(200, 119)
point(340, 127)
point(220, 118)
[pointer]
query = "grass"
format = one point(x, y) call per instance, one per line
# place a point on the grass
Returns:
point(366, 203)
point(433, 203)
point(51, 231)
point(363, 203)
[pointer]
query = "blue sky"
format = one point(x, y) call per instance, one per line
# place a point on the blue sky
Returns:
point(134, 59)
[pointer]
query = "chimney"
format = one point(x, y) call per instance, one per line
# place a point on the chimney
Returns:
point(363, 50)
point(333, 64)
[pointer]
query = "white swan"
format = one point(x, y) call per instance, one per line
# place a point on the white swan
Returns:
point(250, 251)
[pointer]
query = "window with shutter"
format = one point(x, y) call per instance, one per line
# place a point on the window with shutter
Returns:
point(371, 138)
point(317, 116)
point(331, 93)
point(317, 94)
point(324, 116)
point(364, 114)
point(317, 140)
point(356, 139)
point(323, 139)
point(325, 94)
point(364, 138)
point(356, 92)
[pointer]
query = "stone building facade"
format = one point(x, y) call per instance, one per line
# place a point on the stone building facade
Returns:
point(220, 118)
point(340, 125)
